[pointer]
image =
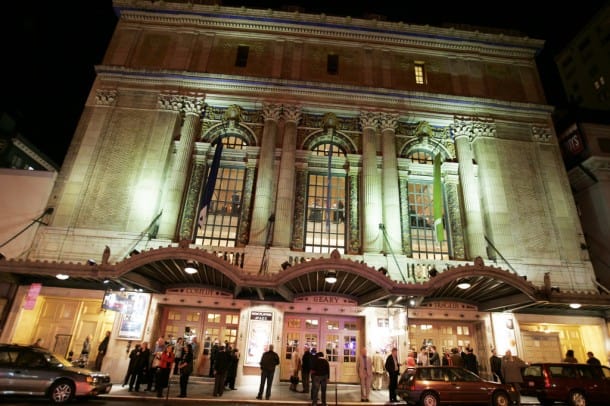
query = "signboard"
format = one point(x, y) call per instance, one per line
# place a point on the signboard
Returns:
point(260, 335)
point(133, 315)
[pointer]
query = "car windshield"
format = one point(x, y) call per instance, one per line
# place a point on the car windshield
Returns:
point(57, 360)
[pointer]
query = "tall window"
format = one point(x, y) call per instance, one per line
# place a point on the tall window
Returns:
point(326, 207)
point(420, 73)
point(224, 212)
point(332, 64)
point(241, 60)
point(424, 241)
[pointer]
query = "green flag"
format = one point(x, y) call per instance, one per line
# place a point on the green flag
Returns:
point(437, 200)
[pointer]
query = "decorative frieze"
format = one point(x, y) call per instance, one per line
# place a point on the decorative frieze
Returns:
point(473, 127)
point(170, 102)
point(106, 97)
point(369, 119)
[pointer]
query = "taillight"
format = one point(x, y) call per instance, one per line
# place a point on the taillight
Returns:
point(547, 379)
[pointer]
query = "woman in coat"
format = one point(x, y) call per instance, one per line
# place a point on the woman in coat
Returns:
point(186, 368)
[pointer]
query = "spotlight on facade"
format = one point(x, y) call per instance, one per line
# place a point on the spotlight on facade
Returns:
point(190, 268)
point(330, 277)
point(62, 276)
point(91, 262)
point(575, 305)
point(464, 285)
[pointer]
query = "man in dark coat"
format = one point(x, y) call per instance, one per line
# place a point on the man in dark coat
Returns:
point(221, 366)
point(101, 351)
point(141, 366)
point(269, 361)
point(306, 362)
point(392, 366)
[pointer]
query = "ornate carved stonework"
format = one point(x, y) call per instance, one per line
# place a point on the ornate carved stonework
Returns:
point(388, 121)
point(171, 102)
point(272, 111)
point(355, 244)
point(369, 120)
point(193, 105)
point(541, 134)
point(473, 127)
point(106, 97)
point(244, 223)
point(187, 223)
point(299, 210)
point(292, 113)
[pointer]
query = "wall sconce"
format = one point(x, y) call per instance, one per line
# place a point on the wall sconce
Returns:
point(91, 262)
point(190, 268)
point(330, 277)
point(575, 305)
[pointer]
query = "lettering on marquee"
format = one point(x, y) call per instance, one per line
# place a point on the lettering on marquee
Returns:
point(449, 306)
point(325, 299)
point(198, 292)
point(265, 316)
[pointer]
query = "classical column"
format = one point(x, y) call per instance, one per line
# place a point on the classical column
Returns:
point(474, 227)
point(263, 198)
point(192, 108)
point(391, 195)
point(285, 192)
point(298, 230)
point(371, 189)
point(354, 245)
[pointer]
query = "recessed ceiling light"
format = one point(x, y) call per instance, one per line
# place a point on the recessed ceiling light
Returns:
point(463, 285)
point(62, 276)
point(190, 268)
point(575, 305)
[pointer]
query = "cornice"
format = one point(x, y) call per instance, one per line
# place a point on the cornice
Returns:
point(300, 26)
point(321, 94)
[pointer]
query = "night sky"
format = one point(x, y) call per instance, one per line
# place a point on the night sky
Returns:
point(50, 49)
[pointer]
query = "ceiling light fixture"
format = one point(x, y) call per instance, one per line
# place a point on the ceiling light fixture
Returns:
point(190, 268)
point(330, 277)
point(62, 276)
point(464, 285)
point(575, 305)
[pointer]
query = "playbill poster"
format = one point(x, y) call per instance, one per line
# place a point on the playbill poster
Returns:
point(260, 335)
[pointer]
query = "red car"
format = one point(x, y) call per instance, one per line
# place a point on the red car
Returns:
point(432, 386)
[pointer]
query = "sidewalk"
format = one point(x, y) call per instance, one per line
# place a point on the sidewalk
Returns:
point(201, 388)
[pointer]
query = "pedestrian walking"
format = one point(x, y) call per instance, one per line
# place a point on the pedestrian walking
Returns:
point(392, 366)
point(320, 371)
point(269, 361)
point(295, 368)
point(364, 366)
point(306, 361)
point(185, 368)
point(511, 370)
point(378, 371)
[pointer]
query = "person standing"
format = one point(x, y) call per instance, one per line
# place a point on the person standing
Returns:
point(470, 361)
point(320, 371)
point(378, 371)
point(130, 367)
point(496, 366)
point(141, 365)
point(456, 358)
point(185, 368)
point(511, 370)
point(570, 357)
point(435, 359)
point(101, 351)
point(213, 355)
point(165, 367)
point(221, 367)
point(178, 350)
point(269, 361)
point(364, 366)
point(422, 357)
point(392, 366)
point(591, 360)
point(306, 361)
point(84, 352)
point(295, 368)
point(232, 372)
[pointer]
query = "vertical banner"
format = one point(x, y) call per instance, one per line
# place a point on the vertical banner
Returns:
point(437, 200)
point(260, 335)
point(30, 298)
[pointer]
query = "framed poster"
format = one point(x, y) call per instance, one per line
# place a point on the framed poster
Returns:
point(133, 315)
point(260, 335)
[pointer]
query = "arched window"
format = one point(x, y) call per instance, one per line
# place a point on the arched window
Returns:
point(223, 215)
point(425, 243)
point(326, 197)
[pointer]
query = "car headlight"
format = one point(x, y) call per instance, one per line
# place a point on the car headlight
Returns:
point(92, 379)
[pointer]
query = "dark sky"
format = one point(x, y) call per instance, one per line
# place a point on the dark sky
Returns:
point(50, 48)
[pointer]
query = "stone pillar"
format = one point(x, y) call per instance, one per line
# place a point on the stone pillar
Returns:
point(263, 199)
point(354, 245)
point(298, 230)
point(371, 186)
point(286, 184)
point(391, 195)
point(192, 108)
point(244, 222)
point(474, 229)
point(406, 220)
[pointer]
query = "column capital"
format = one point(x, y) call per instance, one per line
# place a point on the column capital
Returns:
point(541, 134)
point(272, 111)
point(473, 127)
point(106, 97)
point(193, 105)
point(368, 119)
point(292, 112)
point(170, 102)
point(388, 121)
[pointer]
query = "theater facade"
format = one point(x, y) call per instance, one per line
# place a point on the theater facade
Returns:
point(267, 177)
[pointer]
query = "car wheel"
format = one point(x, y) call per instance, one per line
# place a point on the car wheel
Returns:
point(500, 399)
point(577, 399)
point(61, 392)
point(429, 399)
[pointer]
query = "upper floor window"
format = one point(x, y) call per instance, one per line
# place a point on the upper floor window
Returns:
point(242, 56)
point(332, 64)
point(420, 73)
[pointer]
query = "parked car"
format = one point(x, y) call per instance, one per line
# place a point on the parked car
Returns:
point(31, 371)
point(432, 386)
point(574, 384)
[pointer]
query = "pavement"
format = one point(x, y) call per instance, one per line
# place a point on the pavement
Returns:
point(200, 388)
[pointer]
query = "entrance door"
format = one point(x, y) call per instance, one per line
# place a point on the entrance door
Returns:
point(338, 338)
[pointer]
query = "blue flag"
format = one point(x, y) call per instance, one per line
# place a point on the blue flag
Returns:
point(208, 191)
